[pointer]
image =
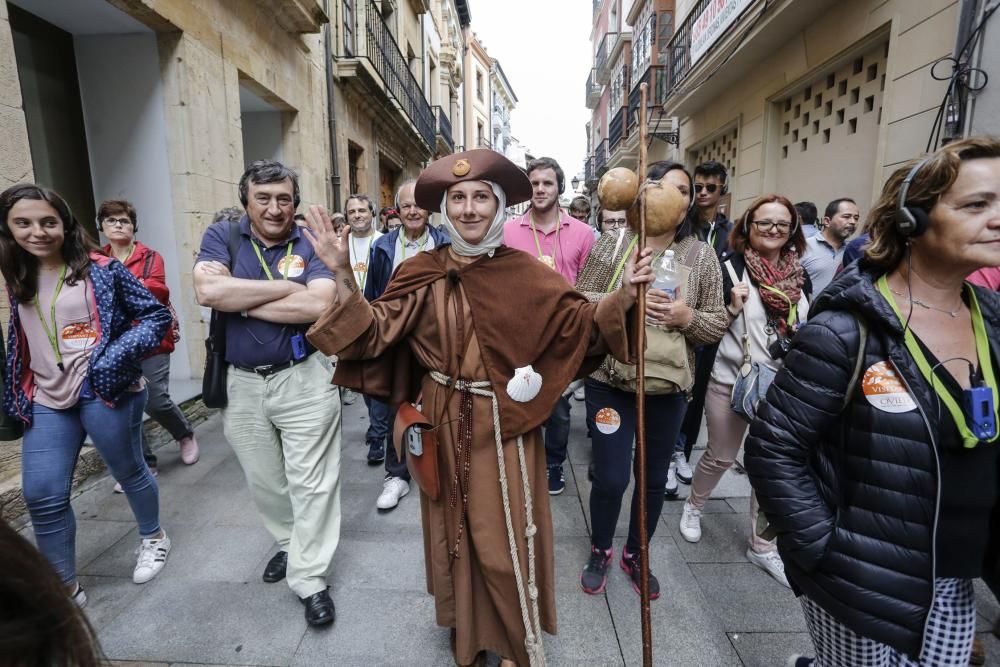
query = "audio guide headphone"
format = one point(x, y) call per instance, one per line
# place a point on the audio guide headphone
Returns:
point(911, 221)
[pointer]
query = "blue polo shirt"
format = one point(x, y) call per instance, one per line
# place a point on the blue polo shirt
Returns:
point(251, 342)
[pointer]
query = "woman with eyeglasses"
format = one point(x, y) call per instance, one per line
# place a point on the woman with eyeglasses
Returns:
point(674, 328)
point(119, 223)
point(765, 290)
point(80, 325)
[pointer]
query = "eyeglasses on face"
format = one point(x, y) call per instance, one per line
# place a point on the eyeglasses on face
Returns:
point(612, 223)
point(116, 222)
point(783, 226)
point(708, 187)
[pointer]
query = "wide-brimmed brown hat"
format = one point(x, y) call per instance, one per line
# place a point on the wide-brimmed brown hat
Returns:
point(481, 164)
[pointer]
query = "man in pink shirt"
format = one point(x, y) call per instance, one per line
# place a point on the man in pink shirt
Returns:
point(546, 231)
point(562, 243)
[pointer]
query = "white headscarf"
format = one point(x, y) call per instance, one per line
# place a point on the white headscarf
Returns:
point(494, 235)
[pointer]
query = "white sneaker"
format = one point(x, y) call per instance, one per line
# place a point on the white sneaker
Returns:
point(349, 397)
point(684, 473)
point(579, 395)
point(671, 488)
point(152, 558)
point(393, 488)
point(79, 597)
point(691, 523)
point(771, 563)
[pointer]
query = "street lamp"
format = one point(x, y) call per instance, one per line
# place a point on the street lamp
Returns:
point(575, 182)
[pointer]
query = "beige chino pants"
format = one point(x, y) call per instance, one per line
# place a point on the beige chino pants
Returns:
point(285, 430)
point(725, 437)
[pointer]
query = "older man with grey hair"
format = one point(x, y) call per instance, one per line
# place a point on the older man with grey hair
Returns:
point(388, 252)
point(283, 415)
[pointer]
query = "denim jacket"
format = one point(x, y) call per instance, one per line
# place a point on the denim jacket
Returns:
point(120, 300)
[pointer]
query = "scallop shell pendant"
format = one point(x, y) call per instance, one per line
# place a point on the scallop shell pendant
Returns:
point(525, 384)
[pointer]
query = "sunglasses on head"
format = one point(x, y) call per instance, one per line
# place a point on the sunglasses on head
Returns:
point(708, 187)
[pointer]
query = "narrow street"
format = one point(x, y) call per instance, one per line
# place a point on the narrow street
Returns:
point(209, 605)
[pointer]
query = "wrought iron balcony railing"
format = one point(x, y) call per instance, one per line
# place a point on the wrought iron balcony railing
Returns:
point(593, 90)
point(616, 130)
point(602, 61)
point(600, 157)
point(381, 49)
point(443, 128)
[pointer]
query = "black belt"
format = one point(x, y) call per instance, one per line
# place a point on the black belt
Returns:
point(271, 369)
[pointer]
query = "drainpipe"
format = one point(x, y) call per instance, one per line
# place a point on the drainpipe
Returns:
point(331, 112)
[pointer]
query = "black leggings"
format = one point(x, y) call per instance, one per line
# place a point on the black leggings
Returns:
point(613, 457)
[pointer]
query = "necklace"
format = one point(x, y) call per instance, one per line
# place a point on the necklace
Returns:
point(918, 302)
point(546, 259)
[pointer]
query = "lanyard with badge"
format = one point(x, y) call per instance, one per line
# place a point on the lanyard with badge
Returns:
point(52, 334)
point(298, 340)
point(361, 266)
point(422, 244)
point(547, 260)
point(978, 422)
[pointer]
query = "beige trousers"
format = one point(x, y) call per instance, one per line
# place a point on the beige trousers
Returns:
point(725, 436)
point(285, 430)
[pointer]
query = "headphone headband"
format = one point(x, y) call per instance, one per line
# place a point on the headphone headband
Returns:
point(904, 189)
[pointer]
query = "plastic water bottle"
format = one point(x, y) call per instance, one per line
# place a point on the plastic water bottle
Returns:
point(667, 278)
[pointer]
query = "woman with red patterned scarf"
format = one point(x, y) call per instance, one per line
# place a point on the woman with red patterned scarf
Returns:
point(765, 289)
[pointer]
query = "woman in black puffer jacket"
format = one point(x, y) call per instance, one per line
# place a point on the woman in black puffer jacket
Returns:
point(884, 501)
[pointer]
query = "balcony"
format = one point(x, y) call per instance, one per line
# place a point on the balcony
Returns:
point(589, 178)
point(371, 63)
point(616, 130)
point(296, 16)
point(593, 90)
point(656, 95)
point(602, 61)
point(442, 130)
point(484, 143)
point(600, 158)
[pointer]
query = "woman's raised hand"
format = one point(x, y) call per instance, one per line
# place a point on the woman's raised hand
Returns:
point(329, 245)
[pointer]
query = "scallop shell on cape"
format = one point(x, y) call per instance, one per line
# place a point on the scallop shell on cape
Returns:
point(525, 384)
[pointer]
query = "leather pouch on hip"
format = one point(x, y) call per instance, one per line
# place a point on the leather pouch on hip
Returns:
point(413, 433)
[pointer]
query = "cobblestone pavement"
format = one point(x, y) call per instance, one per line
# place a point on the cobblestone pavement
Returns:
point(209, 605)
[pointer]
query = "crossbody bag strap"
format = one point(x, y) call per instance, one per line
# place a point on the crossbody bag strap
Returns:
point(147, 264)
point(859, 362)
point(743, 313)
point(217, 324)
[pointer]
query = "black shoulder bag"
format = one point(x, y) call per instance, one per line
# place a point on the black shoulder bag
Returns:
point(11, 428)
point(213, 383)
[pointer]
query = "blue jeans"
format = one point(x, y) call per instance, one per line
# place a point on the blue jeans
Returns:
point(613, 466)
point(557, 433)
point(49, 454)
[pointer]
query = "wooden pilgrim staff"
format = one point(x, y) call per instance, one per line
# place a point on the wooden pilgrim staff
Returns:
point(640, 403)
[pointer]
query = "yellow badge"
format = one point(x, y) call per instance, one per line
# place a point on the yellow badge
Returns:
point(461, 168)
point(361, 267)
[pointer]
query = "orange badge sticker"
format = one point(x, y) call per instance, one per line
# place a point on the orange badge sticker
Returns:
point(608, 420)
point(884, 389)
point(461, 168)
point(78, 336)
point(296, 265)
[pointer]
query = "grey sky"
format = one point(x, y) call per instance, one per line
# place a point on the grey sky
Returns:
point(544, 49)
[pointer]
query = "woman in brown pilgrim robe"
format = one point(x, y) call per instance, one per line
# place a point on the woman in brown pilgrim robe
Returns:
point(477, 311)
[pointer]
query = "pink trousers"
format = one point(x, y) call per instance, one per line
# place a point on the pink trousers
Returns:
point(725, 436)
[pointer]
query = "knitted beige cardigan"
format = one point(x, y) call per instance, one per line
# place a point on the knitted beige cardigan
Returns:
point(703, 294)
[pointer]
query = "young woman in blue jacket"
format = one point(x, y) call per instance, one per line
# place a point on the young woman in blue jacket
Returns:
point(80, 324)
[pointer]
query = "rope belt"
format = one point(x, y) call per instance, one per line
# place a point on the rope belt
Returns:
point(529, 615)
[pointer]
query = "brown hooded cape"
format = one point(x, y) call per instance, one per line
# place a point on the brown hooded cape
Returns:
point(522, 312)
